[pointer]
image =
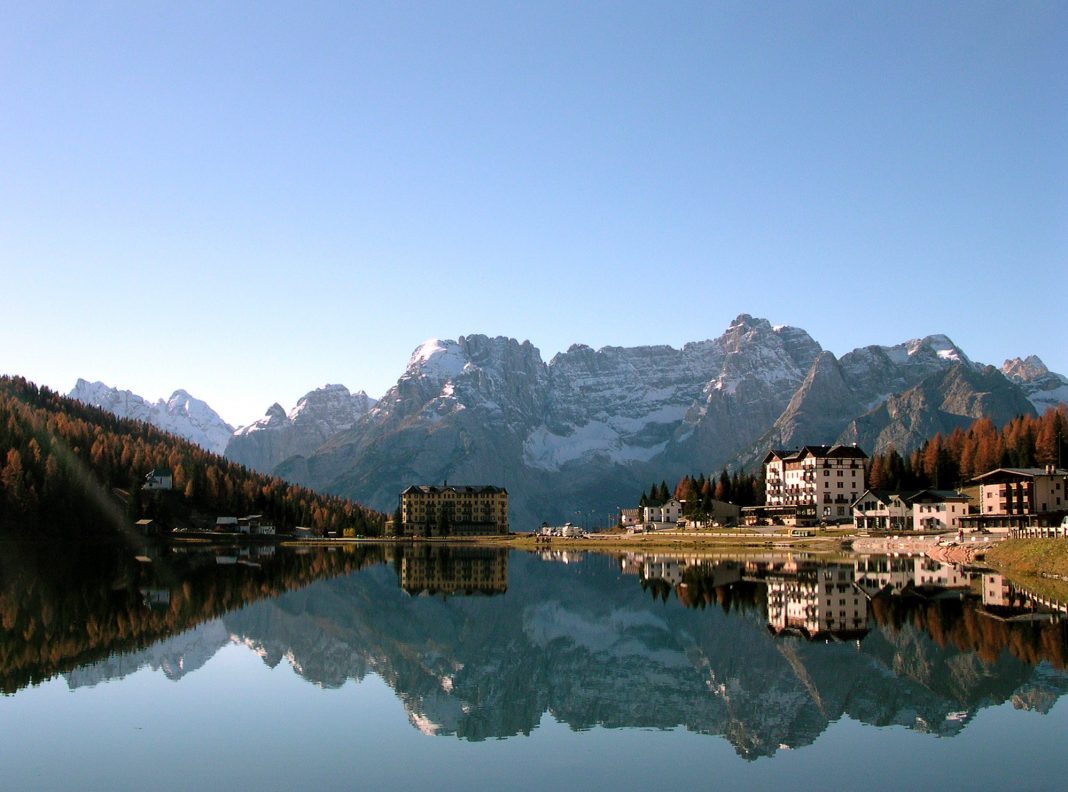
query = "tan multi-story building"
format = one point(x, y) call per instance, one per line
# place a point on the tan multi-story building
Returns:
point(814, 482)
point(1022, 491)
point(428, 510)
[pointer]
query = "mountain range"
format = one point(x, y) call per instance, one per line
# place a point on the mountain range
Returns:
point(583, 433)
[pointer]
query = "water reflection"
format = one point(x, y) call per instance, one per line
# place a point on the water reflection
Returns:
point(764, 651)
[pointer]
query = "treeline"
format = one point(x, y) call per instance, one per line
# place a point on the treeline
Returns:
point(61, 462)
point(947, 462)
point(698, 492)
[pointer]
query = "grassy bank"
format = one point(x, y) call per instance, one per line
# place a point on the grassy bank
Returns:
point(671, 541)
point(1039, 565)
point(1030, 557)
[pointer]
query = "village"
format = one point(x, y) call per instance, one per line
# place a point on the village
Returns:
point(820, 486)
point(808, 490)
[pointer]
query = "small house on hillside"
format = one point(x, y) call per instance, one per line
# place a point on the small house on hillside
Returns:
point(159, 479)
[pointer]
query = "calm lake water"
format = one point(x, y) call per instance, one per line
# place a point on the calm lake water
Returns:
point(266, 668)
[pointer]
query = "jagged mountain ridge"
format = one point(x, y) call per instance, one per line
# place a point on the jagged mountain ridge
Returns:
point(585, 431)
point(181, 414)
point(317, 416)
point(897, 396)
point(579, 435)
point(1043, 387)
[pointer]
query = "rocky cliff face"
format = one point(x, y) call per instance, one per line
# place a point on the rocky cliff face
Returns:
point(862, 398)
point(941, 402)
point(578, 434)
point(181, 414)
point(317, 416)
point(1044, 388)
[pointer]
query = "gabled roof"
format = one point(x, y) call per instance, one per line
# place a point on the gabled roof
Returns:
point(837, 451)
point(1004, 474)
point(886, 495)
point(937, 496)
point(160, 472)
point(476, 489)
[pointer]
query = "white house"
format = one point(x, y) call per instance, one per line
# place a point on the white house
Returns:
point(228, 524)
point(570, 531)
point(159, 479)
point(938, 510)
point(667, 513)
point(883, 510)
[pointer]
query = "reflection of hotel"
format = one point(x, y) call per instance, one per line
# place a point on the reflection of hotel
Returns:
point(1004, 600)
point(442, 570)
point(817, 602)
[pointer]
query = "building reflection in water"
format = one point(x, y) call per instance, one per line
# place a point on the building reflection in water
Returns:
point(428, 569)
point(816, 601)
point(901, 574)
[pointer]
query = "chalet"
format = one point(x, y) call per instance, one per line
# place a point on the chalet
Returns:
point(883, 510)
point(938, 510)
point(226, 524)
point(254, 525)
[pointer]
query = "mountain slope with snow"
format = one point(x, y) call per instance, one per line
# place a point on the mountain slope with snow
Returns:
point(181, 414)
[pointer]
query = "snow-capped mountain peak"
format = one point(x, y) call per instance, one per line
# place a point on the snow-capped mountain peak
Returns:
point(1025, 370)
point(278, 435)
point(437, 359)
point(181, 414)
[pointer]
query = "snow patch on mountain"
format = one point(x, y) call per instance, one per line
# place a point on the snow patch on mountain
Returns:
point(547, 450)
point(437, 359)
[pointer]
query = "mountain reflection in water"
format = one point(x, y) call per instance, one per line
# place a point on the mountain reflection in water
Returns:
point(479, 643)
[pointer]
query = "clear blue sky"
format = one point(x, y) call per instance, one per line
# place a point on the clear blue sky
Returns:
point(249, 201)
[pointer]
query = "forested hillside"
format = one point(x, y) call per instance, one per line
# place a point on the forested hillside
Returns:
point(946, 462)
point(64, 466)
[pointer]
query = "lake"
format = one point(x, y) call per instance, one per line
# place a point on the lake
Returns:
point(132, 667)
